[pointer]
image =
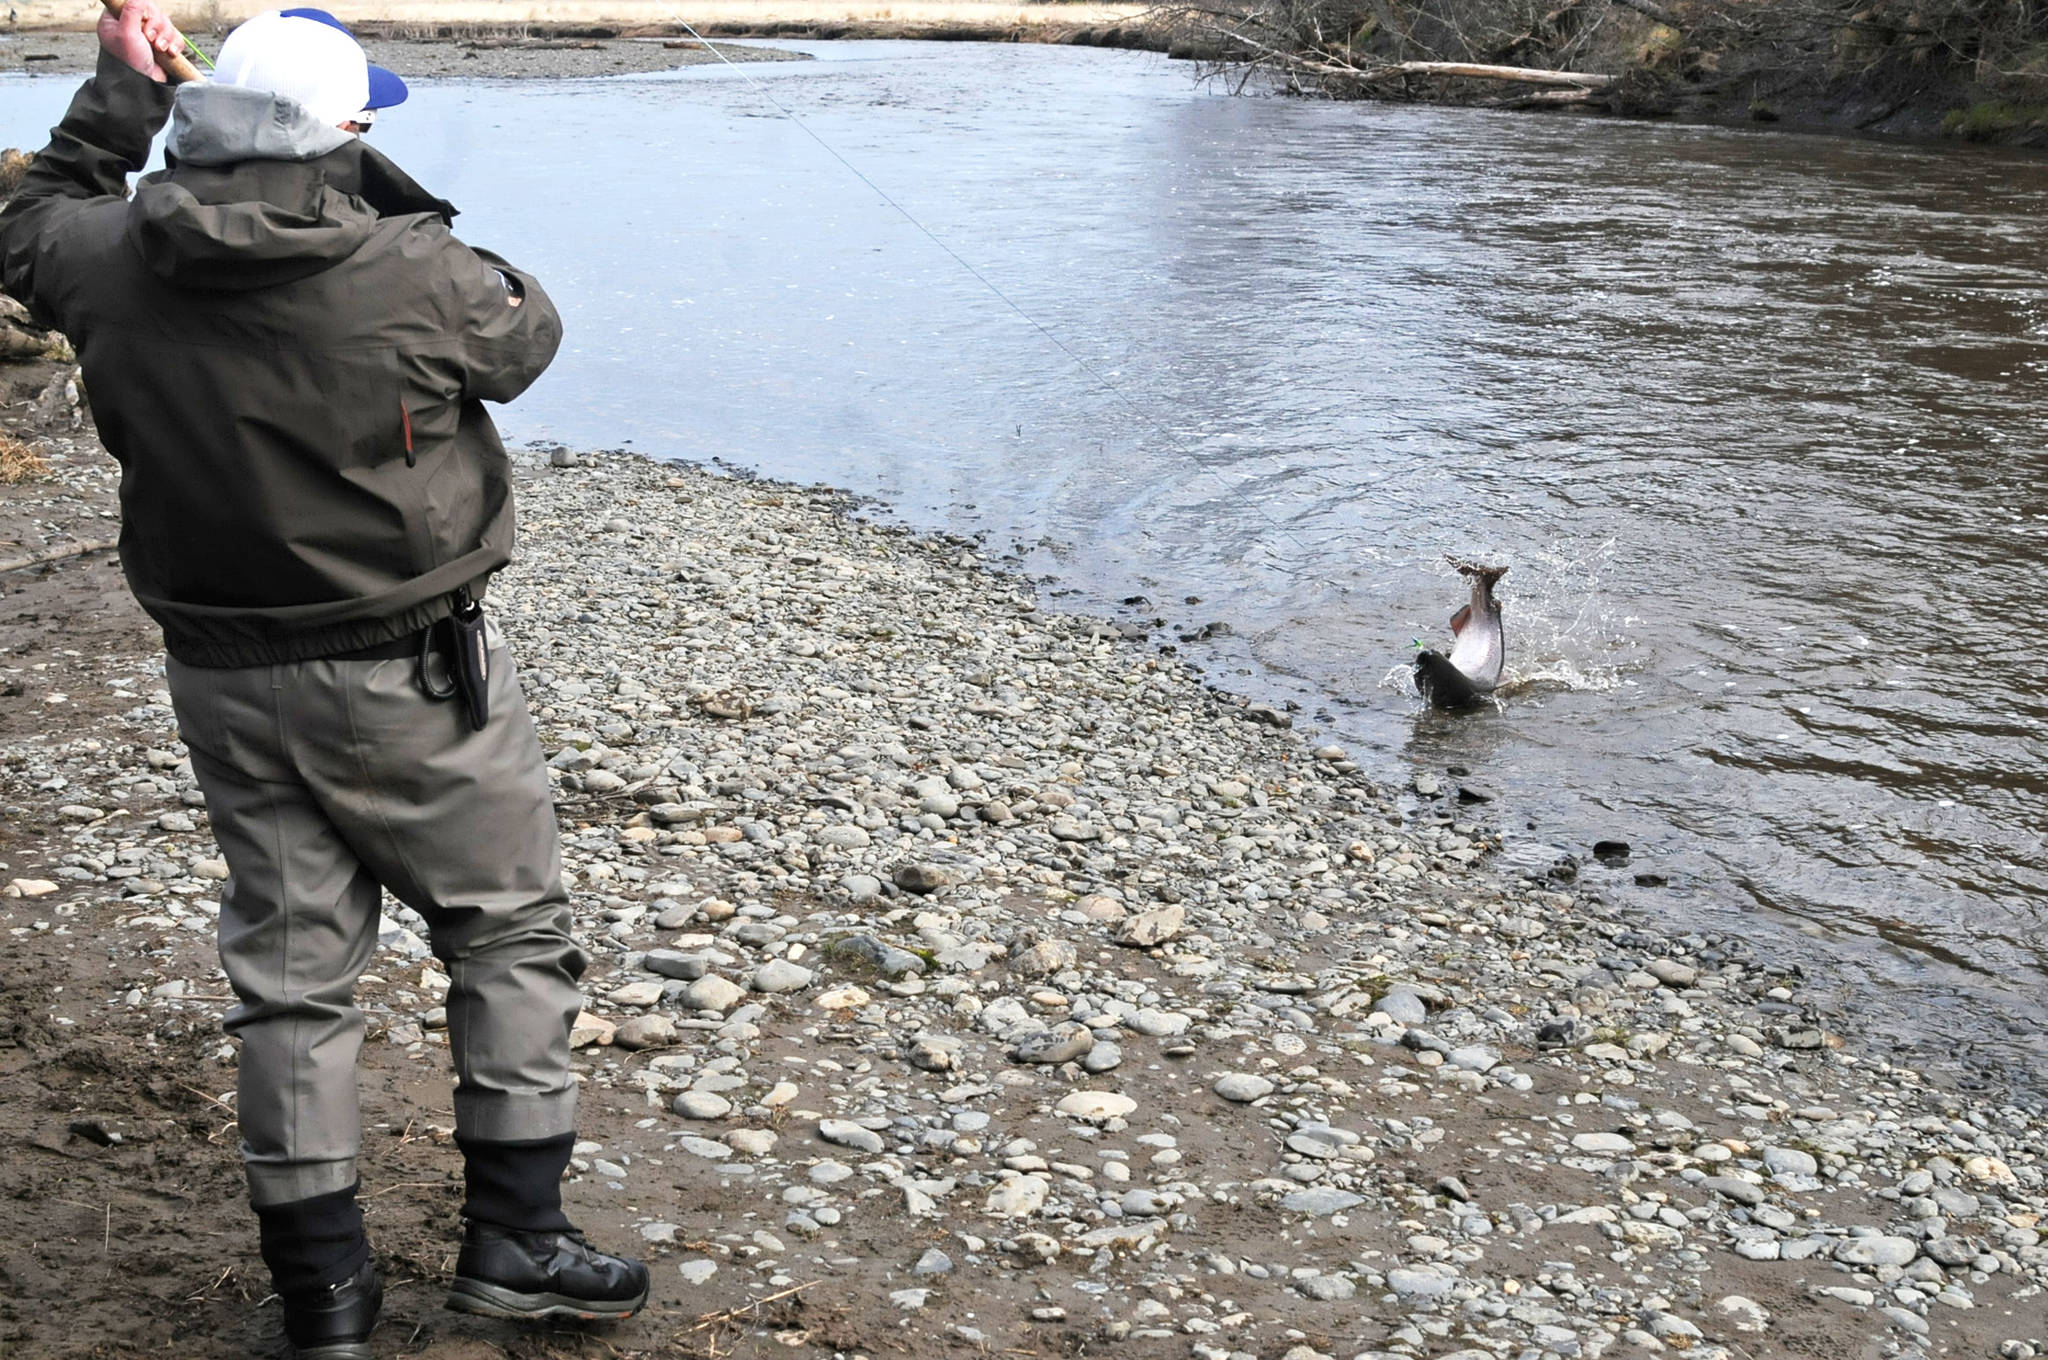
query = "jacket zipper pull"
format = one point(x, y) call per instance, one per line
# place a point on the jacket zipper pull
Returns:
point(405, 419)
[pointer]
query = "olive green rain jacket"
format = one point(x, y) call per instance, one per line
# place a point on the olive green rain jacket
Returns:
point(288, 352)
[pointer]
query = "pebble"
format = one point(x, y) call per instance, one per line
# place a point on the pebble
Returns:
point(1403, 1006)
point(1784, 1161)
point(751, 1142)
point(1152, 927)
point(712, 993)
point(1877, 1251)
point(645, 1031)
point(1096, 1105)
point(1242, 1087)
point(1063, 1043)
point(1018, 1197)
point(1603, 1144)
point(668, 963)
point(778, 975)
point(702, 1105)
point(846, 1133)
point(1103, 1057)
point(1320, 1201)
point(1735, 1188)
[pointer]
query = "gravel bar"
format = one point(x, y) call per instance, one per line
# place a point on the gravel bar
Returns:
point(1006, 985)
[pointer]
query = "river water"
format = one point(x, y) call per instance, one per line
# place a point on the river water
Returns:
point(1755, 419)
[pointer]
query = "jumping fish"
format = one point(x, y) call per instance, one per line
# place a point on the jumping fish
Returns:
point(1478, 649)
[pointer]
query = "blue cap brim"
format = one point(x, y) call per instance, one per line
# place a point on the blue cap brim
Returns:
point(386, 89)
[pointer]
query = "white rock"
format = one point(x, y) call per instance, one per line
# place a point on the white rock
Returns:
point(1018, 1197)
point(702, 1105)
point(1746, 1314)
point(1877, 1251)
point(1603, 1144)
point(1096, 1106)
point(1242, 1087)
point(846, 1133)
point(752, 1142)
point(1152, 927)
point(780, 975)
point(712, 993)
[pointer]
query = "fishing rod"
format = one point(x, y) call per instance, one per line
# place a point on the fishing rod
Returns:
point(175, 65)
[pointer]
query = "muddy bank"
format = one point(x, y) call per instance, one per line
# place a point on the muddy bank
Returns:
point(554, 21)
point(1957, 70)
point(481, 54)
point(966, 977)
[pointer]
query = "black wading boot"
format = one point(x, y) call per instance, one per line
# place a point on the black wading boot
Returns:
point(334, 1323)
point(548, 1274)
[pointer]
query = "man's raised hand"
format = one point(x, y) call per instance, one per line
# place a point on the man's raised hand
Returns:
point(138, 34)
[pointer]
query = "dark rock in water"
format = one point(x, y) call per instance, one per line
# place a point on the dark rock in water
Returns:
point(1477, 793)
point(1651, 881)
point(1613, 854)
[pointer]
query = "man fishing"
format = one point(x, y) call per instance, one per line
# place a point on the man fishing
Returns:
point(287, 350)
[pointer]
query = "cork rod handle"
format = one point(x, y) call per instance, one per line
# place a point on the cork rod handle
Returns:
point(176, 65)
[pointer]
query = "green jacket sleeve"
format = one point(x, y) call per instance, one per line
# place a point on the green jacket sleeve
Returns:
point(503, 347)
point(104, 138)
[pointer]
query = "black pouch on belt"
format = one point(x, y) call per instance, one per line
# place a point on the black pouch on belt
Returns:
point(460, 639)
point(471, 659)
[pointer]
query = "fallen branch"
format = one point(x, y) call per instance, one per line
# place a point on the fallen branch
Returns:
point(1546, 99)
point(58, 555)
point(1532, 75)
point(1651, 9)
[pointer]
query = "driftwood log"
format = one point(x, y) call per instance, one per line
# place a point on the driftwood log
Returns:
point(1465, 70)
point(57, 554)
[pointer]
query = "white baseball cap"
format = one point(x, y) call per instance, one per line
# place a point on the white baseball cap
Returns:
point(318, 65)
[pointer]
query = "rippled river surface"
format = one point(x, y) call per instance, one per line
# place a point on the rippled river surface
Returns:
point(1756, 419)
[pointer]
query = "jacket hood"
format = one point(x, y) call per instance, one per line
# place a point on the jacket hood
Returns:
point(260, 194)
point(220, 124)
point(247, 244)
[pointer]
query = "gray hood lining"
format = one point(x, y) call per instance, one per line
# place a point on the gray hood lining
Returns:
point(213, 124)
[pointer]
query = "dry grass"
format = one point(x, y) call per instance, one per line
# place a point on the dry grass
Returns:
point(20, 462)
point(13, 165)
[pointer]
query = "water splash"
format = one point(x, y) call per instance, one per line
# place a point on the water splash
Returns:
point(1564, 631)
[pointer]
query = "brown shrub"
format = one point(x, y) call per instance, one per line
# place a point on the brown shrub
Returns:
point(13, 166)
point(19, 462)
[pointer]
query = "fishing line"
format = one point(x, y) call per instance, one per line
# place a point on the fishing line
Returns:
point(1101, 380)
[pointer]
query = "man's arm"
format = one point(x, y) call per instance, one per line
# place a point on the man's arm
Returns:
point(103, 139)
point(510, 330)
